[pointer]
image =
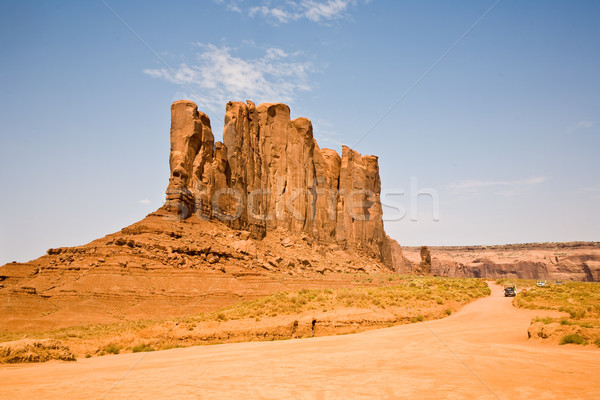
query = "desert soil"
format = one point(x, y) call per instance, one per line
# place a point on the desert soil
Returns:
point(481, 352)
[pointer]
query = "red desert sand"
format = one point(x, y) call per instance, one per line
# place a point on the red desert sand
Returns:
point(481, 352)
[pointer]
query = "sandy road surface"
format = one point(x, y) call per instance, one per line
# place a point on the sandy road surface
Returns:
point(481, 352)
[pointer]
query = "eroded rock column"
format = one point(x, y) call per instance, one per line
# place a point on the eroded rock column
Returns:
point(269, 173)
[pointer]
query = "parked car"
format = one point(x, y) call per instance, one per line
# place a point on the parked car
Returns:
point(541, 283)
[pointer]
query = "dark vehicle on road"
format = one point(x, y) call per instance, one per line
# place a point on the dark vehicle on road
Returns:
point(510, 291)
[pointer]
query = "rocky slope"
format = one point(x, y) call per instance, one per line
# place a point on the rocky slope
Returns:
point(164, 266)
point(579, 261)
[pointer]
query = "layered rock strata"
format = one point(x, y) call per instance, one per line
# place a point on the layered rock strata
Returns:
point(579, 261)
point(269, 173)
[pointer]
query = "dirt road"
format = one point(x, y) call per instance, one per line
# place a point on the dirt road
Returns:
point(481, 352)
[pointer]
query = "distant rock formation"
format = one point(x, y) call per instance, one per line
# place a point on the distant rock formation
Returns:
point(579, 261)
point(424, 267)
point(270, 173)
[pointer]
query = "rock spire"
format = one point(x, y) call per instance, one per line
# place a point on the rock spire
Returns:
point(269, 173)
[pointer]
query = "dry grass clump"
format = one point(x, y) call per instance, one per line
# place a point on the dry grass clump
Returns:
point(111, 348)
point(141, 348)
point(31, 350)
point(81, 332)
point(573, 338)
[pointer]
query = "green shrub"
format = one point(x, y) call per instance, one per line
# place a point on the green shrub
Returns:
point(418, 318)
point(140, 348)
point(112, 349)
point(572, 338)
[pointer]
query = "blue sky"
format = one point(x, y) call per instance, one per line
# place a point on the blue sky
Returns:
point(504, 129)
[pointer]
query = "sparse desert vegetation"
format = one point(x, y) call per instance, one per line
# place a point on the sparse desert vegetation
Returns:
point(284, 315)
point(28, 350)
point(580, 303)
point(143, 347)
point(403, 293)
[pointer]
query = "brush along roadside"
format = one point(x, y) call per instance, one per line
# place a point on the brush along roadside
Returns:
point(580, 303)
point(285, 315)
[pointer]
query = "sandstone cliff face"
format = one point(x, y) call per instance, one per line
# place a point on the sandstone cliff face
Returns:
point(579, 261)
point(269, 173)
point(400, 263)
point(191, 158)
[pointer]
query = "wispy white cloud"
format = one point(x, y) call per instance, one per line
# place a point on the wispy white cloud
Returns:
point(503, 187)
point(585, 124)
point(145, 201)
point(218, 75)
point(592, 191)
point(281, 12)
point(580, 125)
point(232, 5)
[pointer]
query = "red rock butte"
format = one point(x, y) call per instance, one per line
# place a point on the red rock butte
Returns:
point(270, 173)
